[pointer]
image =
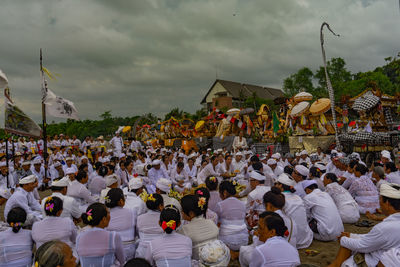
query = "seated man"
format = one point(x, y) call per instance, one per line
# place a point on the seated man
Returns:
point(384, 236)
point(322, 213)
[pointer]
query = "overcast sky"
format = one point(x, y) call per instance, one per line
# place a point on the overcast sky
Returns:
point(134, 57)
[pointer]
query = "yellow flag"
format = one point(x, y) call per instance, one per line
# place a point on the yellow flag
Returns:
point(49, 74)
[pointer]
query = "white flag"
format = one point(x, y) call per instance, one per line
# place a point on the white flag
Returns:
point(60, 107)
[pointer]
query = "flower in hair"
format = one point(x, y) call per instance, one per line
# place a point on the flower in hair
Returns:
point(49, 199)
point(199, 192)
point(213, 179)
point(36, 264)
point(135, 175)
point(234, 182)
point(170, 224)
point(89, 215)
point(202, 201)
point(50, 206)
point(151, 198)
point(107, 199)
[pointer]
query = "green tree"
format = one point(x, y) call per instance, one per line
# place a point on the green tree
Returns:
point(338, 75)
point(106, 115)
point(302, 80)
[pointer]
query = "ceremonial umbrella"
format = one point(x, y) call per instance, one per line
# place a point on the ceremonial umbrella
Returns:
point(320, 106)
point(3, 80)
point(367, 101)
point(233, 111)
point(303, 96)
point(299, 109)
point(199, 125)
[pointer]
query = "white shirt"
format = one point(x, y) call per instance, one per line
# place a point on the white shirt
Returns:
point(255, 198)
point(204, 173)
point(347, 206)
point(382, 237)
point(22, 198)
point(321, 207)
point(133, 202)
point(117, 143)
point(295, 209)
point(275, 252)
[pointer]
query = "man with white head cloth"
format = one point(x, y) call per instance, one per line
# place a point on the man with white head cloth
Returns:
point(369, 248)
point(163, 187)
point(323, 216)
point(23, 199)
point(300, 174)
point(117, 143)
point(132, 199)
point(155, 173)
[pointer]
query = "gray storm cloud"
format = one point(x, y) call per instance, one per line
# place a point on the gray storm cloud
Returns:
point(134, 57)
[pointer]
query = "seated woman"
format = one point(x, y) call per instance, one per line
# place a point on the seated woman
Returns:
point(16, 243)
point(170, 249)
point(347, 206)
point(180, 178)
point(207, 213)
point(212, 186)
point(231, 216)
point(53, 226)
point(97, 246)
point(123, 221)
point(274, 201)
point(276, 251)
point(199, 229)
point(147, 224)
point(369, 248)
point(54, 253)
point(364, 191)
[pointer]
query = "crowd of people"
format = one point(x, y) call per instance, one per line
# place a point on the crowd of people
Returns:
point(124, 203)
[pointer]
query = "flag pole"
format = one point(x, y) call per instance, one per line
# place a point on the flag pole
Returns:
point(8, 183)
point(44, 124)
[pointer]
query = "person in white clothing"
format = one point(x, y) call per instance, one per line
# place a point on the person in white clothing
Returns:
point(347, 206)
point(239, 142)
point(132, 197)
point(382, 237)
point(117, 143)
point(295, 209)
point(276, 251)
point(322, 213)
point(392, 174)
point(209, 170)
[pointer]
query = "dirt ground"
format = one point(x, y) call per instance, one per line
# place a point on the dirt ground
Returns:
point(327, 250)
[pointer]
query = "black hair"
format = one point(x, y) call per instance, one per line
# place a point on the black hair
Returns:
point(361, 168)
point(127, 163)
point(81, 175)
point(204, 161)
point(170, 213)
point(211, 184)
point(53, 205)
point(353, 163)
point(257, 166)
point(304, 164)
point(288, 169)
point(312, 187)
point(391, 166)
point(94, 214)
point(154, 204)
point(137, 262)
point(114, 195)
point(203, 192)
point(111, 167)
point(288, 188)
point(98, 165)
point(274, 221)
point(103, 171)
point(331, 176)
point(227, 156)
point(275, 197)
point(191, 203)
point(395, 203)
point(254, 159)
point(377, 163)
point(180, 165)
point(82, 166)
point(227, 186)
point(315, 172)
point(213, 158)
point(17, 217)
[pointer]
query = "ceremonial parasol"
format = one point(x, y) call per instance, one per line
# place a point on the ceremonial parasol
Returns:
point(3, 80)
point(303, 96)
point(367, 101)
point(126, 129)
point(320, 106)
point(246, 111)
point(199, 125)
point(233, 111)
point(299, 109)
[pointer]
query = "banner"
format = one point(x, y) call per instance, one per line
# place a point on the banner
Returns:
point(60, 107)
point(16, 121)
